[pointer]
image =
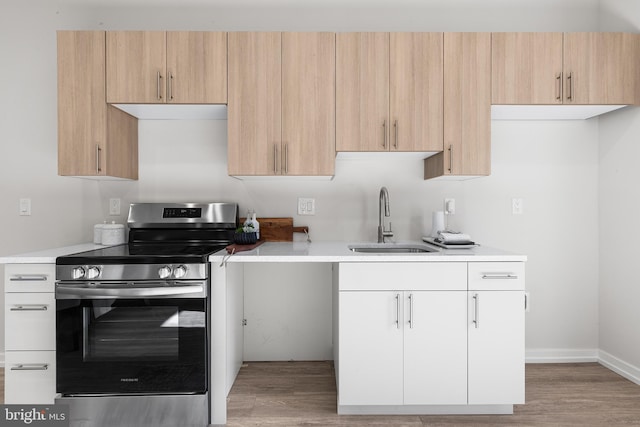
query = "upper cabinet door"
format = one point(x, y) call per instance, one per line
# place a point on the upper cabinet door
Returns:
point(196, 67)
point(308, 103)
point(136, 67)
point(255, 103)
point(362, 92)
point(467, 103)
point(415, 76)
point(601, 68)
point(527, 68)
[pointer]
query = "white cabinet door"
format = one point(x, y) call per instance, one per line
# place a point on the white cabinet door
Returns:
point(435, 348)
point(370, 348)
point(496, 347)
point(30, 377)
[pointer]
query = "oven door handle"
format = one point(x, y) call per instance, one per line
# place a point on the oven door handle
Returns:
point(161, 291)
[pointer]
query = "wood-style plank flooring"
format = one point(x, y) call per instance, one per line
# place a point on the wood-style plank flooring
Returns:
point(304, 394)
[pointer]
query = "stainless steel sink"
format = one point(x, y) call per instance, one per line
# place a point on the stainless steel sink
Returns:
point(391, 248)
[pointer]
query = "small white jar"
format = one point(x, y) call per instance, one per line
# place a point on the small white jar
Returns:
point(112, 234)
point(97, 233)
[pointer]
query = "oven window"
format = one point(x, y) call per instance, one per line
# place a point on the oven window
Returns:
point(126, 333)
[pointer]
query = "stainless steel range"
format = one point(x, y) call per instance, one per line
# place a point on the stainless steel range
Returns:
point(133, 320)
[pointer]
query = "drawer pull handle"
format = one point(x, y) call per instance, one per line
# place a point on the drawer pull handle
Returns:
point(499, 276)
point(29, 278)
point(31, 367)
point(29, 308)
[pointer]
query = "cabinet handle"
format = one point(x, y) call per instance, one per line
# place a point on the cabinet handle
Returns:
point(98, 150)
point(411, 311)
point(395, 127)
point(559, 87)
point(170, 86)
point(286, 159)
point(29, 278)
point(29, 307)
point(397, 311)
point(159, 86)
point(492, 276)
point(275, 159)
point(570, 83)
point(30, 367)
point(476, 310)
point(384, 138)
point(450, 158)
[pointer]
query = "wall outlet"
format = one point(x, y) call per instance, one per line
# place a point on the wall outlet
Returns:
point(25, 207)
point(306, 206)
point(449, 206)
point(114, 206)
point(517, 206)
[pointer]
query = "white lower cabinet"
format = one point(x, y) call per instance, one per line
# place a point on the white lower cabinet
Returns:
point(402, 346)
point(496, 347)
point(443, 335)
point(30, 330)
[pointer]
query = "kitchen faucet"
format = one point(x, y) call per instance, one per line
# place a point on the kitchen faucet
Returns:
point(384, 199)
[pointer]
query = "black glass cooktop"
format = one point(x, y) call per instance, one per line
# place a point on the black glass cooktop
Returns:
point(151, 253)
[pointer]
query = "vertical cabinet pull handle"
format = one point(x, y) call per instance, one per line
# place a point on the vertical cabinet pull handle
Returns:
point(395, 127)
point(98, 149)
point(450, 158)
point(397, 311)
point(384, 138)
point(159, 85)
point(275, 159)
point(570, 83)
point(286, 159)
point(559, 87)
point(476, 310)
point(411, 324)
point(170, 87)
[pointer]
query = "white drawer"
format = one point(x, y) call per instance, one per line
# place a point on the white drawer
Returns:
point(397, 276)
point(29, 277)
point(496, 276)
point(30, 377)
point(30, 321)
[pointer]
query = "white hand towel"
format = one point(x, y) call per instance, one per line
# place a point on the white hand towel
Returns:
point(454, 237)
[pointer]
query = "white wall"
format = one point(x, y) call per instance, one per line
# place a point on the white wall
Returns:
point(553, 166)
point(619, 207)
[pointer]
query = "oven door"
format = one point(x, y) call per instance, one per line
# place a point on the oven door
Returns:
point(110, 344)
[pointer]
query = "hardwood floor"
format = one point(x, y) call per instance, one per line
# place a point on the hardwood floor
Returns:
point(304, 394)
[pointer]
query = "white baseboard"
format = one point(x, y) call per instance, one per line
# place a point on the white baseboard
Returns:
point(561, 355)
point(630, 372)
point(2, 359)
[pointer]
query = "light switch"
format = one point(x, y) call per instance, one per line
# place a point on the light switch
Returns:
point(25, 207)
point(306, 206)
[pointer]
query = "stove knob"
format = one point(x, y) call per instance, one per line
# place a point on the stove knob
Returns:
point(93, 272)
point(77, 273)
point(164, 272)
point(180, 271)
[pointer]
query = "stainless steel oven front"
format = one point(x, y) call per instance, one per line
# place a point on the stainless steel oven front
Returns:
point(133, 352)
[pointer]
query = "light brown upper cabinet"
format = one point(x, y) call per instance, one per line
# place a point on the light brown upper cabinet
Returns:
point(389, 91)
point(601, 68)
point(467, 108)
point(180, 67)
point(569, 68)
point(281, 109)
point(94, 139)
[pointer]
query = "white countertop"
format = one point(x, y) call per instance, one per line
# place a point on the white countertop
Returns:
point(48, 256)
point(339, 252)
